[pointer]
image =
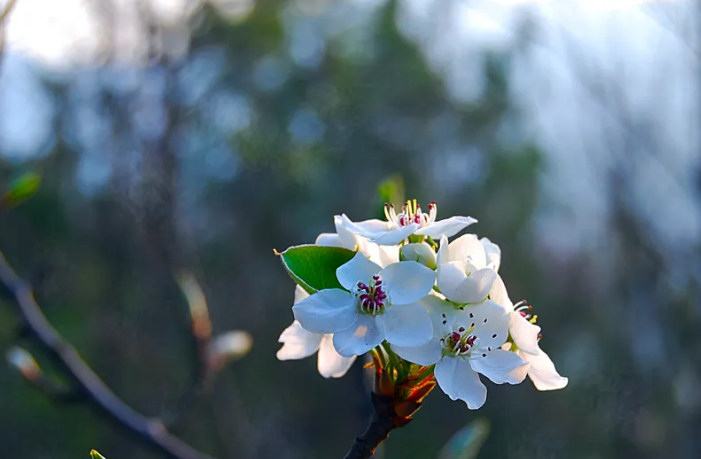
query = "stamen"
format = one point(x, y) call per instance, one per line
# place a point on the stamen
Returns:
point(372, 298)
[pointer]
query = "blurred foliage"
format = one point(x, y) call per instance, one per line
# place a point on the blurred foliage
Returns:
point(20, 189)
point(467, 442)
point(264, 130)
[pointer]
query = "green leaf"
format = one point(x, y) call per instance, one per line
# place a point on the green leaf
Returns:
point(314, 267)
point(95, 455)
point(466, 442)
point(21, 189)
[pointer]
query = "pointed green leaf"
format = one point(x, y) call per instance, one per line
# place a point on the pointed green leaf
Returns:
point(314, 267)
point(95, 455)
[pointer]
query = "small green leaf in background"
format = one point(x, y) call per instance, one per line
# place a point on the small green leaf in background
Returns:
point(95, 455)
point(466, 442)
point(390, 191)
point(314, 267)
point(20, 189)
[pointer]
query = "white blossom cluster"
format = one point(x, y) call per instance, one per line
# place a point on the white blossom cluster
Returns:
point(435, 302)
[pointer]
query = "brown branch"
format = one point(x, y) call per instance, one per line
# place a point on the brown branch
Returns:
point(384, 420)
point(151, 431)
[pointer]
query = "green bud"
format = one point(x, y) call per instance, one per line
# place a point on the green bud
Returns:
point(421, 252)
point(95, 455)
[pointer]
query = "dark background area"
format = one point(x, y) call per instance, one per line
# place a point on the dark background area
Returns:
point(252, 141)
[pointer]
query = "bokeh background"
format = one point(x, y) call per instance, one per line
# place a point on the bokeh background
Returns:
point(179, 134)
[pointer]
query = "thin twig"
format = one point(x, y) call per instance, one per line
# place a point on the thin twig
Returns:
point(151, 431)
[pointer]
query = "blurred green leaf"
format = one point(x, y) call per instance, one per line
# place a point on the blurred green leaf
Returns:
point(21, 189)
point(391, 191)
point(95, 455)
point(466, 442)
point(314, 267)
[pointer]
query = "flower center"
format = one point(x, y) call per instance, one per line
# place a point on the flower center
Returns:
point(372, 299)
point(411, 214)
point(525, 310)
point(460, 342)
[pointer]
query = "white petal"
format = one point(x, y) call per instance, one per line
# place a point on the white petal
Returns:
point(379, 232)
point(458, 287)
point(498, 293)
point(407, 281)
point(420, 253)
point(442, 252)
point(348, 240)
point(298, 343)
point(363, 228)
point(331, 364)
point(491, 323)
point(440, 310)
point(493, 253)
point(468, 248)
point(300, 294)
point(501, 367)
point(382, 255)
point(543, 373)
point(428, 354)
point(524, 333)
point(388, 254)
point(328, 240)
point(457, 379)
point(360, 337)
point(327, 311)
point(450, 276)
point(368, 226)
point(407, 325)
point(358, 269)
point(448, 227)
point(393, 236)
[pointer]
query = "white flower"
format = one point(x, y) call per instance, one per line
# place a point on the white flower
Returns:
point(411, 220)
point(299, 343)
point(467, 341)
point(377, 304)
point(382, 255)
point(466, 270)
point(525, 336)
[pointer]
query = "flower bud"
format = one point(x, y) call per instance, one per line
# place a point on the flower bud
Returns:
point(421, 252)
point(23, 362)
point(230, 346)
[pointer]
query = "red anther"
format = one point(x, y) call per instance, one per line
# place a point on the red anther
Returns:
point(432, 204)
point(471, 340)
point(461, 329)
point(540, 336)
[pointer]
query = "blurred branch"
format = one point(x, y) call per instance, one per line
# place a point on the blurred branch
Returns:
point(6, 10)
point(201, 322)
point(151, 431)
point(213, 354)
